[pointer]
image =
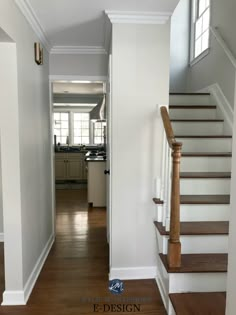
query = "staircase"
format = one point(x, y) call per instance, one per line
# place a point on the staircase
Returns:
point(198, 286)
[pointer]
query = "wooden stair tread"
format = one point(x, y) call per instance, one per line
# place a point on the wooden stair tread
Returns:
point(204, 137)
point(198, 228)
point(199, 303)
point(196, 263)
point(205, 199)
point(205, 175)
point(196, 120)
point(188, 93)
point(211, 154)
point(158, 201)
point(192, 107)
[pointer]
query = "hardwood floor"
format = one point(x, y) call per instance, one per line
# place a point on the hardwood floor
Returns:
point(76, 271)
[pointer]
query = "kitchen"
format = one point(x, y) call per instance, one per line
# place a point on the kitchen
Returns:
point(80, 138)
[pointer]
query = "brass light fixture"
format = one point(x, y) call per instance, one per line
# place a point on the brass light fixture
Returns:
point(38, 54)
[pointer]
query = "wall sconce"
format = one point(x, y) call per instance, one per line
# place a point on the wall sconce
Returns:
point(38, 54)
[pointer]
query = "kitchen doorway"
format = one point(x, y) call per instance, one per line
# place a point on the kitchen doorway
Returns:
point(79, 141)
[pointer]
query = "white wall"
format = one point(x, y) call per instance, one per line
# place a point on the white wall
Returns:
point(26, 108)
point(179, 47)
point(78, 65)
point(140, 81)
point(216, 68)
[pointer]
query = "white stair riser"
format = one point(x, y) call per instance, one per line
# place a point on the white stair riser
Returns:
point(205, 164)
point(198, 128)
point(216, 186)
point(206, 145)
point(190, 100)
point(199, 244)
point(192, 113)
point(195, 244)
point(197, 282)
point(193, 213)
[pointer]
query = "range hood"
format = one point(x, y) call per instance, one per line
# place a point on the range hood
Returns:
point(98, 113)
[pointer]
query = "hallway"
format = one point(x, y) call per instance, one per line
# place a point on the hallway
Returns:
point(76, 271)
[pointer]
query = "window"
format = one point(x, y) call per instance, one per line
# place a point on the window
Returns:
point(98, 132)
point(61, 127)
point(201, 20)
point(80, 128)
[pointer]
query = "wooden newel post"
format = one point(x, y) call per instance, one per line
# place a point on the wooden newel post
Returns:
point(174, 245)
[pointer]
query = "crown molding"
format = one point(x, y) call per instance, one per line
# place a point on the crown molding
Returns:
point(135, 17)
point(78, 50)
point(28, 12)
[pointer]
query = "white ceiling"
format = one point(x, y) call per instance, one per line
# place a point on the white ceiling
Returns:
point(82, 22)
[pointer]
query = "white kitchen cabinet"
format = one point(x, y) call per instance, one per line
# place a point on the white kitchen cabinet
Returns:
point(70, 166)
point(97, 183)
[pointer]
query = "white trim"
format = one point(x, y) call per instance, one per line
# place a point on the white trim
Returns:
point(136, 17)
point(133, 273)
point(222, 102)
point(162, 290)
point(200, 57)
point(21, 297)
point(13, 298)
point(1, 237)
point(30, 15)
point(66, 78)
point(221, 41)
point(78, 50)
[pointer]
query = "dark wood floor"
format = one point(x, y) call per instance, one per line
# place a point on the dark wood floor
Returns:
point(76, 271)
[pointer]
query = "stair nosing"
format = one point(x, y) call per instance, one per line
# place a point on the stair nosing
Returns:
point(204, 199)
point(190, 93)
point(206, 154)
point(192, 232)
point(205, 175)
point(203, 137)
point(196, 268)
point(192, 106)
point(197, 120)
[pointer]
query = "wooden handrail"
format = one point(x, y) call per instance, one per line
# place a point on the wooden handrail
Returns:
point(174, 245)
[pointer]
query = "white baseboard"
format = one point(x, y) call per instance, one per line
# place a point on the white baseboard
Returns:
point(133, 273)
point(21, 297)
point(1, 237)
point(13, 298)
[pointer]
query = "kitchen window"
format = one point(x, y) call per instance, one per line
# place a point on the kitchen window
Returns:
point(61, 127)
point(81, 128)
point(201, 25)
point(98, 132)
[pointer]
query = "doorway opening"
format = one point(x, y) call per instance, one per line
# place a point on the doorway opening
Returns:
point(79, 122)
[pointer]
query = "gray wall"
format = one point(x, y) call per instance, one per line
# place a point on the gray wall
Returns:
point(79, 65)
point(27, 102)
point(179, 47)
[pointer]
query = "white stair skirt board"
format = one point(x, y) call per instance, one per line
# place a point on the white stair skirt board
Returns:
point(204, 186)
point(196, 244)
point(206, 144)
point(192, 113)
point(21, 297)
point(171, 310)
point(205, 164)
point(198, 128)
point(148, 272)
point(190, 213)
point(1, 237)
point(190, 100)
point(223, 106)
